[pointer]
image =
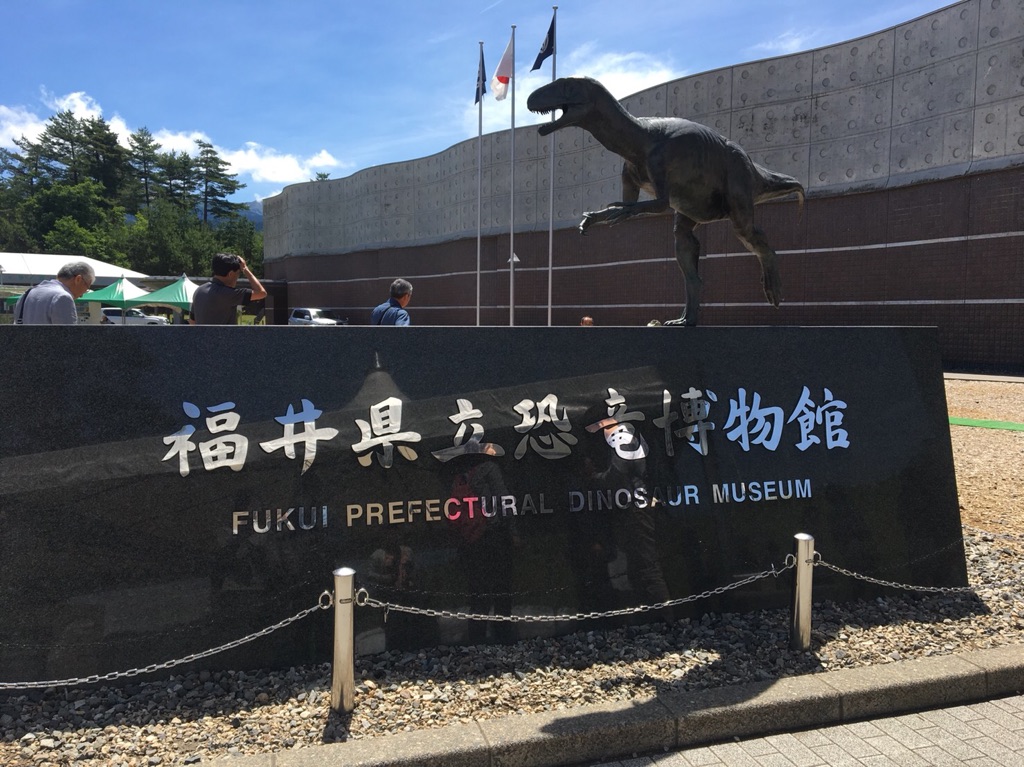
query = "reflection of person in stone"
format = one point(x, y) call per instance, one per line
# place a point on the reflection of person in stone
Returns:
point(392, 311)
point(52, 302)
point(486, 546)
point(634, 530)
point(392, 572)
point(214, 303)
point(392, 567)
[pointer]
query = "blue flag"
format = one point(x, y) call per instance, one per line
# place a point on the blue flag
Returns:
point(481, 78)
point(547, 48)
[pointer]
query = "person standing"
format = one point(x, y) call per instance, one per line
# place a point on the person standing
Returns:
point(392, 311)
point(214, 303)
point(52, 302)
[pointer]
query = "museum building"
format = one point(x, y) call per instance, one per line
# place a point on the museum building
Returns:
point(909, 143)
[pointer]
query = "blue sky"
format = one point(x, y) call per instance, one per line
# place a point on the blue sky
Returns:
point(284, 90)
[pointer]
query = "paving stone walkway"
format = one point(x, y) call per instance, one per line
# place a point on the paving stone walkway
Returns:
point(988, 734)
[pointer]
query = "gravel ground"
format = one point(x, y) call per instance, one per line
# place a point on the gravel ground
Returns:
point(191, 718)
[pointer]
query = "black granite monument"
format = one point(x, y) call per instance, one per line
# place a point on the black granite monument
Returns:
point(166, 490)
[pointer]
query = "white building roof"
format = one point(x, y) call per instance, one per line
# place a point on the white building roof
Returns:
point(30, 268)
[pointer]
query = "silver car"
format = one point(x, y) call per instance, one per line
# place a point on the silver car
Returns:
point(307, 316)
point(112, 315)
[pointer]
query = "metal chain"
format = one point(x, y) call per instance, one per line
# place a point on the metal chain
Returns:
point(892, 584)
point(363, 599)
point(113, 675)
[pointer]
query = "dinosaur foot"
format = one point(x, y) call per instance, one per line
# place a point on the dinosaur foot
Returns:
point(682, 322)
point(772, 286)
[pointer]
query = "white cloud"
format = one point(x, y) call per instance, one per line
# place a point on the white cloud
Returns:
point(178, 141)
point(266, 165)
point(790, 41)
point(16, 122)
point(621, 73)
point(79, 103)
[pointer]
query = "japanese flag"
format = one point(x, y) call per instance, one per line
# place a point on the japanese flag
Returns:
point(503, 74)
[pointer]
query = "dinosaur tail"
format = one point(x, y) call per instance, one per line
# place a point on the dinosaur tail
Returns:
point(775, 185)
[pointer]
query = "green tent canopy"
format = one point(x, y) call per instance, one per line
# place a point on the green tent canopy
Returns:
point(116, 294)
point(178, 294)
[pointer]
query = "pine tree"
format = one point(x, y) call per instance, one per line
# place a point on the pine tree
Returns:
point(62, 148)
point(104, 159)
point(143, 158)
point(178, 179)
point(215, 184)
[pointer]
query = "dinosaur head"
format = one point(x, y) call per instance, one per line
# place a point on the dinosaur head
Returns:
point(577, 97)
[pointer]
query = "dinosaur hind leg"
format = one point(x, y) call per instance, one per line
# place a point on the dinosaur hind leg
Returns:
point(687, 251)
point(754, 240)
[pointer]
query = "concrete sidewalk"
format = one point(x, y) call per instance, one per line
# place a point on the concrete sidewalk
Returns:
point(613, 731)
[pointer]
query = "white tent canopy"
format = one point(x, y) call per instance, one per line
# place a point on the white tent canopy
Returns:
point(30, 268)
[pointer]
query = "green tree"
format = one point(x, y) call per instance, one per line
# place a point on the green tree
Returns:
point(22, 173)
point(216, 185)
point(238, 235)
point(198, 243)
point(69, 237)
point(143, 157)
point(82, 202)
point(18, 180)
point(62, 148)
point(178, 179)
point(105, 160)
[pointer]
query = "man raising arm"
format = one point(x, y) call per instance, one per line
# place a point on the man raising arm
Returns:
point(214, 303)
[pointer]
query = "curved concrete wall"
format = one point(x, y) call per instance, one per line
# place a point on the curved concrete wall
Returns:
point(938, 97)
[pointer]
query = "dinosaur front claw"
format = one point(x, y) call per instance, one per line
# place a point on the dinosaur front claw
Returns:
point(586, 222)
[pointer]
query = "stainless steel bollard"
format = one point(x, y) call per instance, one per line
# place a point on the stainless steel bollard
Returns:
point(800, 628)
point(343, 670)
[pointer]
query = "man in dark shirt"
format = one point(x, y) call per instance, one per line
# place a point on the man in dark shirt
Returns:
point(392, 311)
point(214, 303)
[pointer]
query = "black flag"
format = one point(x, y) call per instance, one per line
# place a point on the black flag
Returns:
point(547, 48)
point(481, 78)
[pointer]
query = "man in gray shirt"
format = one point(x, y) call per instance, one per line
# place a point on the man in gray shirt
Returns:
point(214, 303)
point(52, 302)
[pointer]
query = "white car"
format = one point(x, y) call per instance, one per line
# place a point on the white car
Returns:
point(306, 316)
point(113, 316)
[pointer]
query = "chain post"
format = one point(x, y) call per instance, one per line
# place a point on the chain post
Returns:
point(800, 624)
point(343, 667)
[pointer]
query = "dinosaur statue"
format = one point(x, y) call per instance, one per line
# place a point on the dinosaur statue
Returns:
point(682, 165)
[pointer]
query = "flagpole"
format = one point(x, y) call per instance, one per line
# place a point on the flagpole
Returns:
point(551, 184)
point(512, 196)
point(479, 169)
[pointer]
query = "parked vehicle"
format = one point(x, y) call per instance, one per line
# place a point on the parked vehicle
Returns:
point(112, 315)
point(308, 316)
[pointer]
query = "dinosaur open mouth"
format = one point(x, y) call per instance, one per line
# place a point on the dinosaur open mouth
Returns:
point(550, 127)
point(545, 128)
